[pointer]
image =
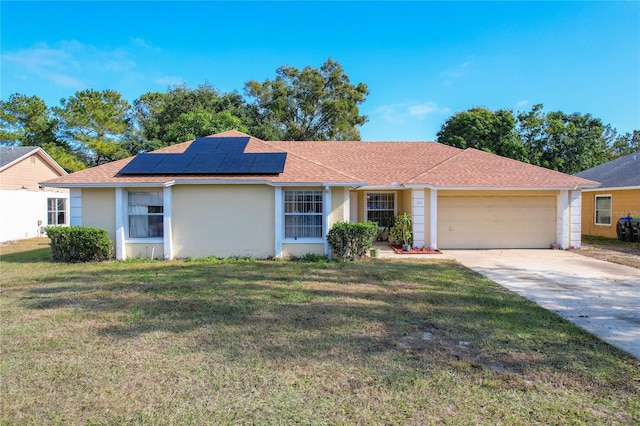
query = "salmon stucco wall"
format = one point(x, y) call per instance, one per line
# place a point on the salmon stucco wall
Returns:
point(624, 202)
point(223, 221)
point(99, 209)
point(27, 174)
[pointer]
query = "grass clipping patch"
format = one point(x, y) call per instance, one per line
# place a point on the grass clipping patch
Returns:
point(384, 342)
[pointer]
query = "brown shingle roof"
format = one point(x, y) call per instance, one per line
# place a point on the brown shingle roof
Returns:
point(358, 163)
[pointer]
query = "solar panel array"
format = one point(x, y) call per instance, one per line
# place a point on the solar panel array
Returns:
point(210, 156)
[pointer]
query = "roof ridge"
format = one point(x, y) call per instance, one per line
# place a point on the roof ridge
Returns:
point(438, 164)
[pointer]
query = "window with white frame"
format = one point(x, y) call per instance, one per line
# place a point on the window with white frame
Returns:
point(145, 214)
point(381, 208)
point(56, 211)
point(302, 214)
point(603, 210)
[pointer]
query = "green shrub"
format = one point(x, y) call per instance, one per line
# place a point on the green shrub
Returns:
point(351, 240)
point(79, 244)
point(401, 231)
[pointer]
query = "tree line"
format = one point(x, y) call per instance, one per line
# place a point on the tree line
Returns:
point(568, 143)
point(95, 127)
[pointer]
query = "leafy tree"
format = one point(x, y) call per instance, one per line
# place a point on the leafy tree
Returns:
point(26, 121)
point(182, 113)
point(624, 145)
point(68, 160)
point(309, 104)
point(483, 129)
point(191, 125)
point(95, 124)
point(565, 142)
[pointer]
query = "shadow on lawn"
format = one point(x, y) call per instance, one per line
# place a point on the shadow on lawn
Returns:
point(286, 310)
point(30, 256)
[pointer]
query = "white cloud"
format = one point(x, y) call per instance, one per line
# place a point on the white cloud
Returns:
point(455, 73)
point(72, 64)
point(66, 81)
point(523, 103)
point(169, 80)
point(142, 43)
point(426, 108)
point(402, 112)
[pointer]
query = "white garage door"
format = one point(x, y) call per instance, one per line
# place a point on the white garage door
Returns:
point(496, 222)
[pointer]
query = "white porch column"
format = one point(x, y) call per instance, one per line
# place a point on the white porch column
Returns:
point(121, 215)
point(417, 215)
point(278, 227)
point(433, 219)
point(562, 220)
point(326, 213)
point(167, 200)
point(75, 207)
point(575, 240)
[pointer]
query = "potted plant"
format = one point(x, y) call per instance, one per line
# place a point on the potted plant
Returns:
point(401, 231)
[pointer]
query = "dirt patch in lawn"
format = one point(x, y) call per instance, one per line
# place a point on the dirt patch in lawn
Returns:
point(610, 250)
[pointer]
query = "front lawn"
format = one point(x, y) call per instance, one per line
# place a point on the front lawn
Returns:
point(259, 342)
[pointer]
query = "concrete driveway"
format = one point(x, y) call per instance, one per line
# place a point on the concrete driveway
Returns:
point(601, 297)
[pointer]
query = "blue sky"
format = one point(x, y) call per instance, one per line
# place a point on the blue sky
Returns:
point(422, 61)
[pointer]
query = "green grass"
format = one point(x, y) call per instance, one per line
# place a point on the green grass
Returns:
point(270, 342)
point(612, 243)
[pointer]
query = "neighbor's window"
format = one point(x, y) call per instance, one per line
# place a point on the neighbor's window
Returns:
point(381, 208)
point(145, 214)
point(56, 211)
point(303, 214)
point(603, 209)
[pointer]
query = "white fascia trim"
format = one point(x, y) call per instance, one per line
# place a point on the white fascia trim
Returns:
point(507, 188)
point(384, 187)
point(109, 185)
point(619, 188)
point(300, 184)
point(198, 182)
point(218, 182)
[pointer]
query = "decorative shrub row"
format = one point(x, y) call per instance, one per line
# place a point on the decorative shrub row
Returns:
point(351, 240)
point(79, 244)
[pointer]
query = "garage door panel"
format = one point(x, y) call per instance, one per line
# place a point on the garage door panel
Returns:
point(496, 222)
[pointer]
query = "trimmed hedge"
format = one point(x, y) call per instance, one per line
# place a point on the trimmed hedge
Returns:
point(351, 240)
point(79, 244)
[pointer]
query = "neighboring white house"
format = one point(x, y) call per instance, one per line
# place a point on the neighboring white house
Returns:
point(25, 206)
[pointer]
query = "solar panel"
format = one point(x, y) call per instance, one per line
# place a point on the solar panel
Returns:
point(233, 164)
point(224, 145)
point(224, 155)
point(203, 163)
point(142, 163)
point(269, 162)
point(173, 164)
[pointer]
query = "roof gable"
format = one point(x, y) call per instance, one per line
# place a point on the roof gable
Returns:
point(619, 173)
point(473, 168)
point(10, 155)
